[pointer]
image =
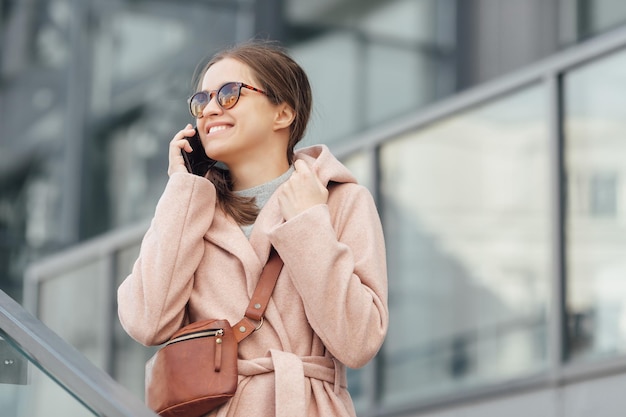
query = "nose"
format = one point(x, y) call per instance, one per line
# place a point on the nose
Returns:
point(211, 108)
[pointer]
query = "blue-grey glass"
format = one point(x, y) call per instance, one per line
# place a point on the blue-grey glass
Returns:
point(25, 391)
point(404, 54)
point(373, 63)
point(467, 225)
point(332, 63)
point(597, 16)
point(399, 80)
point(595, 154)
point(154, 56)
point(76, 304)
point(361, 165)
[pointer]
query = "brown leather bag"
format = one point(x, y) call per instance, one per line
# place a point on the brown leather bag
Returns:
point(196, 370)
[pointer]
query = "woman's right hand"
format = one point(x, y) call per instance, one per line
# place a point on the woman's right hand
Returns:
point(178, 144)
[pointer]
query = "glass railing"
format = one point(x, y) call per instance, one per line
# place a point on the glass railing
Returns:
point(42, 375)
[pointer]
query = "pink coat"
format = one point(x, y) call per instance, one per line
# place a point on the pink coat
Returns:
point(329, 307)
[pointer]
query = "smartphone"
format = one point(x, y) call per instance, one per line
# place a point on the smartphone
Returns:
point(197, 161)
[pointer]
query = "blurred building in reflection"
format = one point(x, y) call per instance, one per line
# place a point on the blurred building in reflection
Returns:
point(492, 133)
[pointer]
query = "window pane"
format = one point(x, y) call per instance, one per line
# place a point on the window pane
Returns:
point(596, 207)
point(399, 80)
point(334, 87)
point(76, 305)
point(466, 217)
point(373, 62)
point(596, 16)
point(362, 167)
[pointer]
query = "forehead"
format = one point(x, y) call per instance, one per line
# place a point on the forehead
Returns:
point(226, 70)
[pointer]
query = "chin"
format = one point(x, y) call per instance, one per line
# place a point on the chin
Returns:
point(221, 157)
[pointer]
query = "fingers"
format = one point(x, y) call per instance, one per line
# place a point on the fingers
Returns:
point(302, 172)
point(301, 167)
point(302, 191)
point(180, 139)
point(177, 144)
point(305, 173)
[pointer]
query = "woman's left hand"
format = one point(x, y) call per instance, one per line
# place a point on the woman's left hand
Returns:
point(301, 191)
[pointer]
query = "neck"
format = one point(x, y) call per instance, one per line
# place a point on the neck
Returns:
point(253, 173)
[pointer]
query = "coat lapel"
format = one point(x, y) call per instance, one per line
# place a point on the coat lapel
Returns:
point(267, 220)
point(226, 233)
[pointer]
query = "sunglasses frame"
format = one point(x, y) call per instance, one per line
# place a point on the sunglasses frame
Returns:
point(215, 93)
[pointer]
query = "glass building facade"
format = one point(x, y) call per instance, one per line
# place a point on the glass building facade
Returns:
point(491, 133)
point(466, 215)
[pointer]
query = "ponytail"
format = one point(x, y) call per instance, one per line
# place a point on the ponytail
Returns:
point(242, 209)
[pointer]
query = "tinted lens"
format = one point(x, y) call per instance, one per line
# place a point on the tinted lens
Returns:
point(228, 95)
point(197, 103)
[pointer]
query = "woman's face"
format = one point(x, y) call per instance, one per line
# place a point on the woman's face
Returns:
point(243, 131)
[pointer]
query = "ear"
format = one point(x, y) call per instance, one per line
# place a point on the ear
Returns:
point(285, 115)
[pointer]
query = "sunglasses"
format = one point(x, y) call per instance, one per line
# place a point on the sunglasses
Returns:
point(227, 96)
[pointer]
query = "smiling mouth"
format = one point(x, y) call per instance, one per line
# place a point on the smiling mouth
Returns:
point(214, 129)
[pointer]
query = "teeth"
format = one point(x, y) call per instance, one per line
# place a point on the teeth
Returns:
point(217, 128)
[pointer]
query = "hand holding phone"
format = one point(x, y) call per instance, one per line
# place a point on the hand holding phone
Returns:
point(197, 161)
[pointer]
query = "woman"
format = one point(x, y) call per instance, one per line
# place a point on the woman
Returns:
point(211, 236)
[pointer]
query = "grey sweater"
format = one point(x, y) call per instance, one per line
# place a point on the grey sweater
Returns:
point(261, 194)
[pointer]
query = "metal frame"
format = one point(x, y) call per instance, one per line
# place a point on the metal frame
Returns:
point(537, 73)
point(100, 247)
point(548, 73)
point(65, 365)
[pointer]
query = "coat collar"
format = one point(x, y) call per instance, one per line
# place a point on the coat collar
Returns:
point(325, 165)
point(253, 253)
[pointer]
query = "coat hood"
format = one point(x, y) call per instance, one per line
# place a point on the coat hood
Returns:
point(325, 165)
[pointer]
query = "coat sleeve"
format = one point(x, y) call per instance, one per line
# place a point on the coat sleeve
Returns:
point(152, 299)
point(338, 265)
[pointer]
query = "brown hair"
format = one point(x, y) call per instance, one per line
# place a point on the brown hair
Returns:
point(284, 81)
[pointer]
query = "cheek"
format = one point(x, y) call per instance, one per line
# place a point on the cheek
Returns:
point(259, 121)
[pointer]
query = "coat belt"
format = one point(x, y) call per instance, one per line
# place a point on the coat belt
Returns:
point(290, 370)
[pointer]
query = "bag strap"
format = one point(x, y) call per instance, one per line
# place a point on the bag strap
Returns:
point(260, 297)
